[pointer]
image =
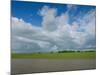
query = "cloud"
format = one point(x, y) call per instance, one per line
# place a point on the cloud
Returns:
point(55, 34)
point(48, 20)
point(71, 7)
point(89, 28)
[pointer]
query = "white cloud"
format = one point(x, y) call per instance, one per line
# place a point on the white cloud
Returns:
point(55, 34)
point(71, 7)
point(48, 18)
point(88, 24)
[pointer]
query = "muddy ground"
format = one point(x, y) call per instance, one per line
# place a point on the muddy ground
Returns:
point(22, 66)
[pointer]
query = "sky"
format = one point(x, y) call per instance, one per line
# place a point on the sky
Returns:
point(43, 27)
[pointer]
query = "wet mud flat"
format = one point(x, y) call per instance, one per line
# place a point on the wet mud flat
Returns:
point(25, 66)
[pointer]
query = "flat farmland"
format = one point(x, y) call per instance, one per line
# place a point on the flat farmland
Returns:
point(55, 55)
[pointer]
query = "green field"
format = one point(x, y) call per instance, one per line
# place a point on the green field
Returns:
point(55, 55)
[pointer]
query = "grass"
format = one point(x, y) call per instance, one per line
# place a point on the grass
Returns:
point(55, 55)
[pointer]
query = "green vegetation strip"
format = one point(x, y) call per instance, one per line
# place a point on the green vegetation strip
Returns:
point(55, 55)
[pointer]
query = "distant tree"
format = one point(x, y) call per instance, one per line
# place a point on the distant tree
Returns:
point(78, 51)
point(39, 52)
point(65, 51)
point(51, 52)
